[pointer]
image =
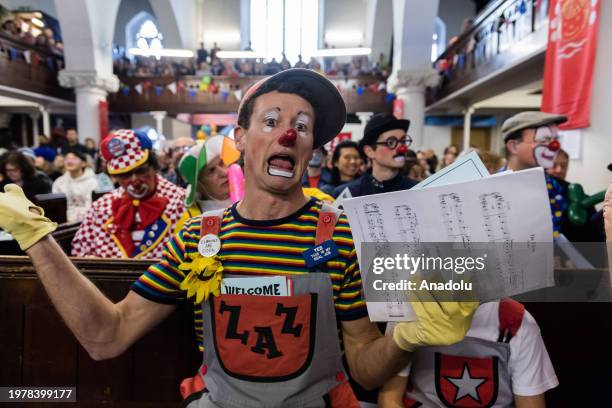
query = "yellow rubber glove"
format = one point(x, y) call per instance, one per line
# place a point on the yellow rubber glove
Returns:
point(437, 324)
point(27, 227)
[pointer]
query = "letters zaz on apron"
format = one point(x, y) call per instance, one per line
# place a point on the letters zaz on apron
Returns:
point(273, 351)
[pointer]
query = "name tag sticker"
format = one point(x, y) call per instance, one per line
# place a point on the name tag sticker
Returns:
point(320, 254)
point(259, 286)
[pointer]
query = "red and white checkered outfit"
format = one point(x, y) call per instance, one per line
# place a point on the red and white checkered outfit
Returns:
point(94, 237)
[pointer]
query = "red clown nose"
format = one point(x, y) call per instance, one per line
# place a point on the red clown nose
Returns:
point(402, 149)
point(554, 145)
point(288, 138)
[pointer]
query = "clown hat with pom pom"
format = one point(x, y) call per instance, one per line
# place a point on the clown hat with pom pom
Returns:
point(124, 150)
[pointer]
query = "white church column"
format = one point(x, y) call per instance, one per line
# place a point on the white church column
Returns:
point(413, 29)
point(35, 131)
point(159, 121)
point(90, 89)
point(409, 87)
point(46, 121)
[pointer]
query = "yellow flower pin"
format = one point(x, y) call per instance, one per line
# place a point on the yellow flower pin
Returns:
point(204, 278)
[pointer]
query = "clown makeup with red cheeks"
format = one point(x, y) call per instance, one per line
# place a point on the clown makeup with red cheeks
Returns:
point(547, 146)
point(138, 183)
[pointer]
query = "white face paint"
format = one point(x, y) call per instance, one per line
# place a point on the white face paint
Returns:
point(400, 159)
point(138, 192)
point(302, 124)
point(544, 156)
point(270, 120)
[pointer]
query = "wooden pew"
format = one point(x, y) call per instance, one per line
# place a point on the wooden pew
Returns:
point(63, 235)
point(55, 206)
point(37, 349)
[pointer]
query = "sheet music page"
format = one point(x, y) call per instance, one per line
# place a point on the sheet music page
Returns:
point(506, 210)
point(466, 168)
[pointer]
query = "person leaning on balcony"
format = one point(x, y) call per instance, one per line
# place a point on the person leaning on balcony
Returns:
point(268, 341)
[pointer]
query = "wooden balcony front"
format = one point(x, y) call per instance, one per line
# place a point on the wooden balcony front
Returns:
point(25, 67)
point(222, 95)
point(508, 40)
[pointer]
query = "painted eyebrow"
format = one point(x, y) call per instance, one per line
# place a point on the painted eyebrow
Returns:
point(305, 113)
point(276, 109)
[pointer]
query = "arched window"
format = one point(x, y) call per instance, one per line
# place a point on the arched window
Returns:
point(142, 32)
point(289, 26)
point(149, 37)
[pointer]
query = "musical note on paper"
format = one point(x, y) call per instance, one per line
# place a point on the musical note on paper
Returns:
point(474, 213)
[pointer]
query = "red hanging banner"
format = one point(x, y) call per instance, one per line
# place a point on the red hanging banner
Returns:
point(103, 115)
point(398, 108)
point(570, 60)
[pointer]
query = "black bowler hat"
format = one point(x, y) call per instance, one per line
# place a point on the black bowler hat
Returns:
point(380, 123)
point(321, 92)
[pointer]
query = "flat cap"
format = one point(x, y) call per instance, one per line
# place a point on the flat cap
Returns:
point(530, 120)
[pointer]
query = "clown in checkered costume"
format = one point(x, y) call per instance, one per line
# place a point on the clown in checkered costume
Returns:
point(135, 220)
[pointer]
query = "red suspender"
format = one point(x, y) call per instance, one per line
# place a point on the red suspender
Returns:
point(511, 315)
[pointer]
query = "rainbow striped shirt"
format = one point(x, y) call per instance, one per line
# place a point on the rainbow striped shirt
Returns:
point(263, 248)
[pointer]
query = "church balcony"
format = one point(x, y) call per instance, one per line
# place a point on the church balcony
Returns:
point(502, 51)
point(30, 72)
point(191, 94)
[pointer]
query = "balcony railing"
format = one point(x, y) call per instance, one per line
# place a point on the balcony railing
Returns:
point(29, 68)
point(503, 33)
point(219, 94)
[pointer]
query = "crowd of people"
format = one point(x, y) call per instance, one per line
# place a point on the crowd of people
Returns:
point(46, 40)
point(206, 63)
point(282, 223)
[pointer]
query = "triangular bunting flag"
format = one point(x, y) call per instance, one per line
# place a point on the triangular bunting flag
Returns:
point(27, 54)
point(172, 88)
point(238, 94)
point(138, 88)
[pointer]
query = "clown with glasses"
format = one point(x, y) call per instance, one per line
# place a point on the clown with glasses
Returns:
point(385, 142)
